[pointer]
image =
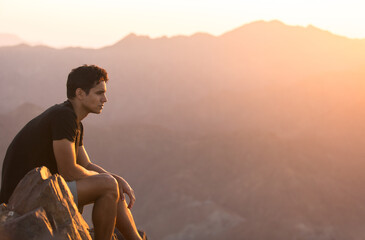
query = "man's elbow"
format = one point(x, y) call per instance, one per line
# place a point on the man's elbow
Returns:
point(67, 177)
point(87, 166)
point(69, 174)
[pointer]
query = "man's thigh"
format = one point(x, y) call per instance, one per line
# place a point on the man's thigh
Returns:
point(91, 188)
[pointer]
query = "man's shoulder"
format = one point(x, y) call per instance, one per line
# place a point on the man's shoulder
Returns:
point(61, 109)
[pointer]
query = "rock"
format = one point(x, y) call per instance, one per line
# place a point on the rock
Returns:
point(33, 225)
point(30, 184)
point(42, 207)
point(45, 197)
point(6, 214)
point(4, 234)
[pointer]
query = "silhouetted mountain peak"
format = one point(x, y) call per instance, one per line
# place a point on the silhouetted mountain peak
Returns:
point(257, 25)
point(313, 29)
point(132, 38)
point(26, 109)
point(276, 28)
point(201, 35)
point(10, 39)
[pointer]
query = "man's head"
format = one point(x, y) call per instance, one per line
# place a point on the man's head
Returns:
point(86, 86)
point(85, 77)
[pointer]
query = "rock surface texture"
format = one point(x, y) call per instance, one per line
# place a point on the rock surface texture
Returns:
point(42, 207)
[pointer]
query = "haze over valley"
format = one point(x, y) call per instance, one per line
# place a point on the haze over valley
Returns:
point(254, 134)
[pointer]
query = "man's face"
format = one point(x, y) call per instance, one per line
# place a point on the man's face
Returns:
point(94, 101)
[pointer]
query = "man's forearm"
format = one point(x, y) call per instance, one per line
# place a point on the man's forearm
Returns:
point(94, 167)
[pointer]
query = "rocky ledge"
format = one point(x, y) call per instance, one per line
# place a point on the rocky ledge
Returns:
point(42, 208)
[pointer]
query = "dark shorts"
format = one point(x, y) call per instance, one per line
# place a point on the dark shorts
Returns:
point(73, 188)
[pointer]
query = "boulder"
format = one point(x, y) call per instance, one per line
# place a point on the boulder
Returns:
point(42, 207)
point(33, 225)
point(42, 197)
point(6, 214)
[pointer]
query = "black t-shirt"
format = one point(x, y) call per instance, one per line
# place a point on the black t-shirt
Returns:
point(33, 146)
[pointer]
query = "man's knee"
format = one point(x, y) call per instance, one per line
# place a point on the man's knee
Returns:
point(111, 185)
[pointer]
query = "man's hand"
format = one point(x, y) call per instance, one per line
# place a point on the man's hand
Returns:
point(125, 188)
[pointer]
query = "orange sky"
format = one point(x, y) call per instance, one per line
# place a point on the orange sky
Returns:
point(96, 23)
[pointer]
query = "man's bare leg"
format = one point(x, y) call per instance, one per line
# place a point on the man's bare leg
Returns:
point(102, 189)
point(104, 217)
point(125, 222)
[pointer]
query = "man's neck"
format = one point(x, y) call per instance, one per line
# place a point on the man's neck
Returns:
point(80, 112)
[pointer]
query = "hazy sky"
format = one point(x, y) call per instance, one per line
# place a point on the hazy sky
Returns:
point(95, 23)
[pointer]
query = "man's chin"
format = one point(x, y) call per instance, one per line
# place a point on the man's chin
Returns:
point(97, 112)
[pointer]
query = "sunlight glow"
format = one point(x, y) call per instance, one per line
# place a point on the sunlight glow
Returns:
point(95, 23)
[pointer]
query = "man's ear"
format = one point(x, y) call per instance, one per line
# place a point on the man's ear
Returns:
point(80, 94)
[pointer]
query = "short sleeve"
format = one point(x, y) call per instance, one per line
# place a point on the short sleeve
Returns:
point(64, 126)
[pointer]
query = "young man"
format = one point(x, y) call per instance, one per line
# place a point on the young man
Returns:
point(54, 139)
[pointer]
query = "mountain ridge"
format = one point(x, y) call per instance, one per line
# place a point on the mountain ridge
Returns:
point(262, 24)
point(7, 39)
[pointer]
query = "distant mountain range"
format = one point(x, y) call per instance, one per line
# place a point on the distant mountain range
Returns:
point(158, 80)
point(255, 134)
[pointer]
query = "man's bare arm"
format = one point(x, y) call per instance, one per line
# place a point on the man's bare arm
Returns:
point(64, 151)
point(84, 160)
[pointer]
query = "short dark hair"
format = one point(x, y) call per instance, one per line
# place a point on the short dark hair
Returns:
point(85, 77)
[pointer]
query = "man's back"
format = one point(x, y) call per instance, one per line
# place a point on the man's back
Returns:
point(32, 146)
